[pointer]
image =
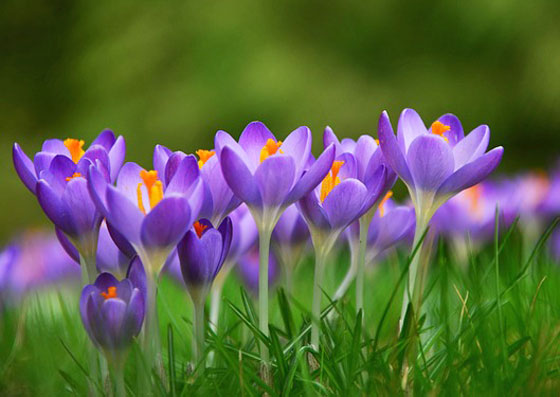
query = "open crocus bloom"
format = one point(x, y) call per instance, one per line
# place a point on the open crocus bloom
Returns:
point(73, 149)
point(438, 162)
point(341, 198)
point(112, 312)
point(268, 174)
point(152, 209)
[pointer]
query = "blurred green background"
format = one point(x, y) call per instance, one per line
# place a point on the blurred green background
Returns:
point(175, 72)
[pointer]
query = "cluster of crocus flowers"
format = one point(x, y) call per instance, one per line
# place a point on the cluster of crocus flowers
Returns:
point(198, 215)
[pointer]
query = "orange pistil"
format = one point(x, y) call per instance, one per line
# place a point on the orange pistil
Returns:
point(111, 293)
point(199, 228)
point(204, 156)
point(270, 148)
point(74, 175)
point(383, 201)
point(154, 188)
point(75, 146)
point(331, 180)
point(439, 128)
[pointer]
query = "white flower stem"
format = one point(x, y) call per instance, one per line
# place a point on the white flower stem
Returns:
point(320, 256)
point(265, 235)
point(198, 329)
point(364, 226)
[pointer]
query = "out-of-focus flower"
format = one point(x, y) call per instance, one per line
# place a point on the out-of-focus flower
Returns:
point(35, 260)
point(248, 269)
point(112, 312)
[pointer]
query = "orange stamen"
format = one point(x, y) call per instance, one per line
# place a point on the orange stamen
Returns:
point(439, 128)
point(154, 188)
point(204, 156)
point(474, 194)
point(111, 293)
point(383, 201)
point(331, 180)
point(74, 175)
point(199, 228)
point(270, 148)
point(75, 146)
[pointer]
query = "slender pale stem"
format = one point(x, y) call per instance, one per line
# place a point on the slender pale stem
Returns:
point(350, 275)
point(264, 251)
point(364, 226)
point(320, 256)
point(118, 374)
point(198, 329)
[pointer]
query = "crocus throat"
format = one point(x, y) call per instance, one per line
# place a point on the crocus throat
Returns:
point(154, 188)
point(331, 180)
point(74, 175)
point(270, 148)
point(199, 228)
point(439, 128)
point(383, 201)
point(204, 156)
point(75, 147)
point(111, 293)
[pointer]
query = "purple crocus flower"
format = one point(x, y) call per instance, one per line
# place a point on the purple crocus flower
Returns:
point(248, 269)
point(435, 164)
point(153, 209)
point(112, 157)
point(289, 240)
point(112, 312)
point(202, 252)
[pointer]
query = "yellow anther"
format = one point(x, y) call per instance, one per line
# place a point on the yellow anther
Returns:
point(204, 156)
point(74, 175)
point(154, 188)
point(75, 146)
point(111, 293)
point(439, 128)
point(270, 148)
point(331, 180)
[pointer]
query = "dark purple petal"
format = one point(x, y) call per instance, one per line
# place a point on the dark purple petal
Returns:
point(312, 177)
point(80, 206)
point(172, 164)
point(344, 203)
point(239, 178)
point(471, 173)
point(455, 134)
point(121, 241)
point(274, 179)
point(431, 161)
point(87, 291)
point(124, 215)
point(68, 247)
point(410, 127)
point(62, 167)
point(124, 290)
point(220, 200)
point(166, 223)
point(312, 211)
point(137, 276)
point(298, 146)
point(55, 208)
point(24, 168)
point(97, 186)
point(134, 314)
point(375, 188)
point(93, 155)
point(392, 151)
point(226, 230)
point(184, 175)
point(472, 146)
point(42, 161)
point(106, 138)
point(117, 154)
point(199, 257)
point(104, 281)
point(113, 312)
point(252, 140)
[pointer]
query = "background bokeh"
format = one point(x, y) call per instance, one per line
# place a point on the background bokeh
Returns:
point(175, 72)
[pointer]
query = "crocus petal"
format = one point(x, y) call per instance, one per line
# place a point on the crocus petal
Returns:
point(137, 275)
point(312, 211)
point(24, 168)
point(349, 167)
point(135, 313)
point(161, 155)
point(116, 157)
point(109, 257)
point(375, 188)
point(87, 291)
point(298, 146)
point(471, 173)
point(226, 230)
point(274, 178)
point(329, 137)
point(344, 202)
point(128, 180)
point(68, 247)
point(472, 146)
point(106, 138)
point(121, 242)
point(431, 161)
point(42, 161)
point(113, 312)
point(93, 155)
point(166, 223)
point(409, 128)
point(80, 206)
point(194, 258)
point(55, 208)
point(104, 281)
point(392, 151)
point(239, 178)
point(312, 177)
point(124, 215)
point(455, 133)
point(395, 225)
point(55, 146)
point(171, 166)
point(182, 178)
point(97, 186)
point(365, 148)
point(220, 197)
point(252, 140)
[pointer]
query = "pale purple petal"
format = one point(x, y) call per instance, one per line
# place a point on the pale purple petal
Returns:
point(472, 146)
point(252, 140)
point(124, 215)
point(431, 161)
point(455, 133)
point(409, 128)
point(166, 223)
point(161, 155)
point(392, 151)
point(274, 179)
point(24, 168)
point(239, 177)
point(298, 146)
point(344, 203)
point(116, 157)
point(55, 146)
